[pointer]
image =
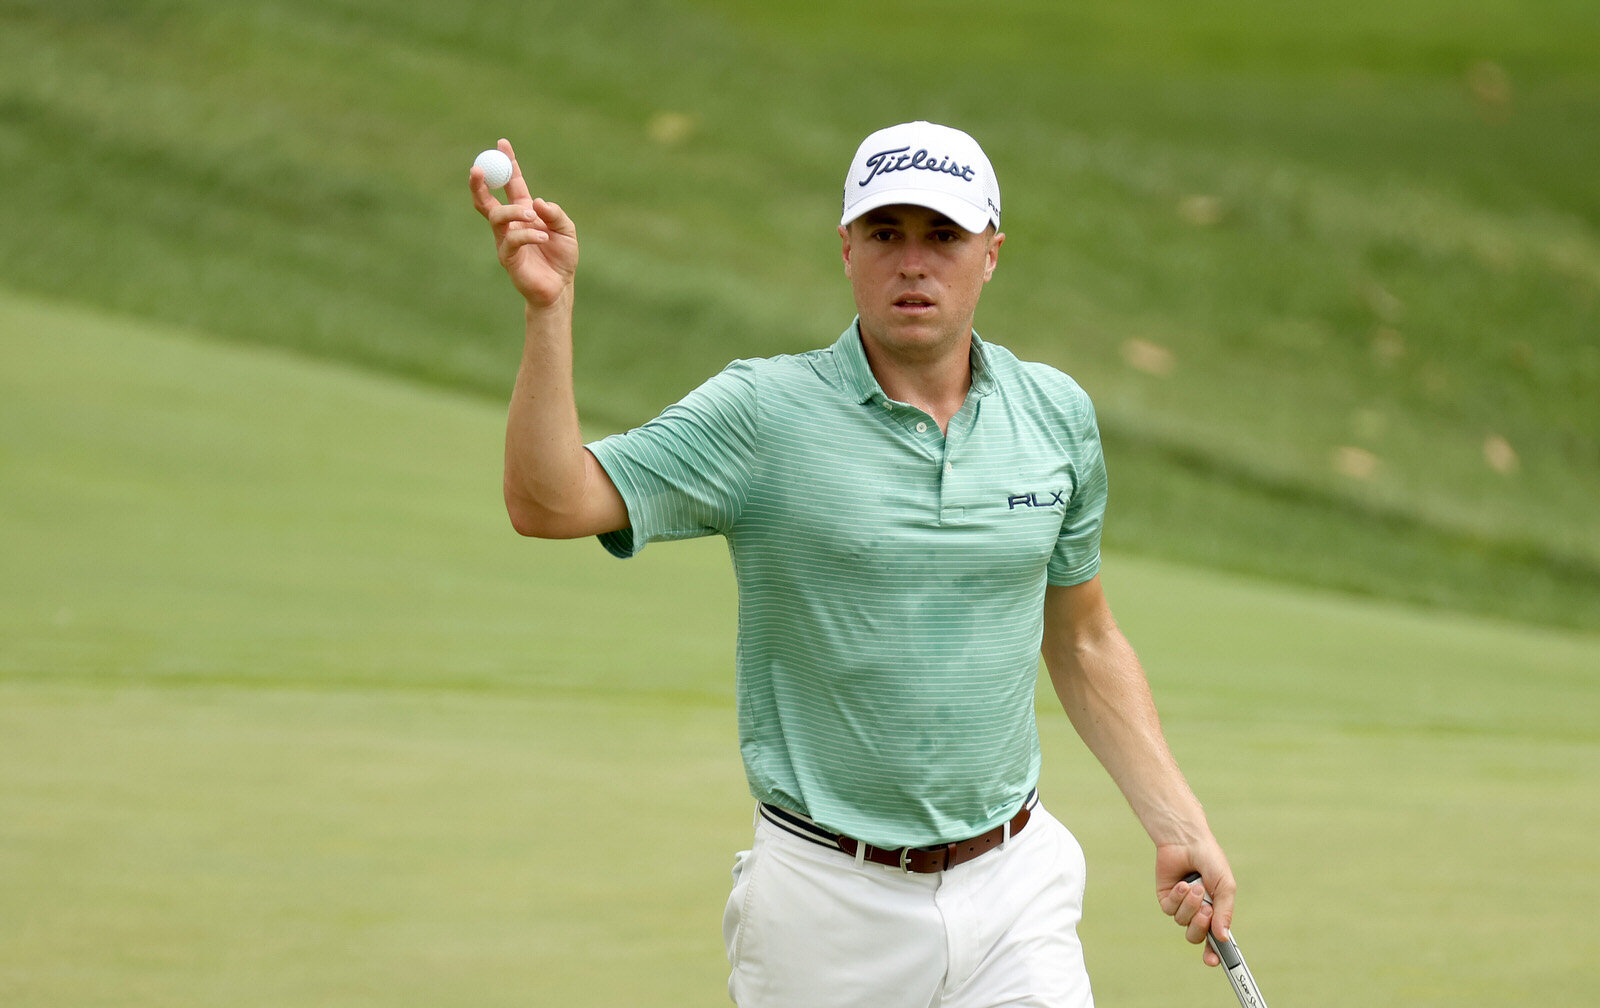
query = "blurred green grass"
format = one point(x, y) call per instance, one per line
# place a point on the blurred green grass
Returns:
point(288, 714)
point(1330, 274)
point(209, 513)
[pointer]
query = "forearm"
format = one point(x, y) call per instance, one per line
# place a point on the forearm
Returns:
point(1103, 688)
point(1099, 681)
point(545, 461)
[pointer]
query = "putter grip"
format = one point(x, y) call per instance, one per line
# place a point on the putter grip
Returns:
point(1239, 975)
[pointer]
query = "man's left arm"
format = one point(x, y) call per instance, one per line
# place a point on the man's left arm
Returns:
point(1103, 688)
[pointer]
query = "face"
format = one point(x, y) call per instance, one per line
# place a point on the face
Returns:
point(916, 276)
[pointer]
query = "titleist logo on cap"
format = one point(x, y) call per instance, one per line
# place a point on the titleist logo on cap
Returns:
point(923, 164)
point(897, 159)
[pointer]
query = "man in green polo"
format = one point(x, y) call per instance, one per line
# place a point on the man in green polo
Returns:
point(913, 516)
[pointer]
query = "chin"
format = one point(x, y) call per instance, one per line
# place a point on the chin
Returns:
point(917, 338)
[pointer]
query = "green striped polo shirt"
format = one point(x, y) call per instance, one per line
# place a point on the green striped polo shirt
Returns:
point(891, 577)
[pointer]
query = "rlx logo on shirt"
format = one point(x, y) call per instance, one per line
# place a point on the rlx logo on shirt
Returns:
point(1034, 500)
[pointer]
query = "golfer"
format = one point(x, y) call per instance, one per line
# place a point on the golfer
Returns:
point(913, 516)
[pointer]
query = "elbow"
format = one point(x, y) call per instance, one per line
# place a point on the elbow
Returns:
point(525, 524)
point(537, 521)
point(564, 510)
point(529, 519)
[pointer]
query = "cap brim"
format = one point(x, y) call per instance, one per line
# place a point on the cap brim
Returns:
point(964, 214)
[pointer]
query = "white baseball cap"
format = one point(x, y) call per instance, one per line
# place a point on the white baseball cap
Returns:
point(927, 165)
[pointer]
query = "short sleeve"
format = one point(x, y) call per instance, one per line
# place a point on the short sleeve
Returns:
point(686, 473)
point(1077, 554)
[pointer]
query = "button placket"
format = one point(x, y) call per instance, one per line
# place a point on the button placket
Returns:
point(948, 514)
point(960, 430)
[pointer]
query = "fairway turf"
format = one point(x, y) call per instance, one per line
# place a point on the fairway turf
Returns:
point(289, 715)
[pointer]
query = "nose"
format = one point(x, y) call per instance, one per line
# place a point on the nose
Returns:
point(912, 263)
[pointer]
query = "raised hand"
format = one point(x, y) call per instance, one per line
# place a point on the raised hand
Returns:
point(535, 240)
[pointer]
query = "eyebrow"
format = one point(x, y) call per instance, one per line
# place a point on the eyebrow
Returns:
point(872, 217)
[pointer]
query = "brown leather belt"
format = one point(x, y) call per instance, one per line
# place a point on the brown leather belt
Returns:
point(918, 860)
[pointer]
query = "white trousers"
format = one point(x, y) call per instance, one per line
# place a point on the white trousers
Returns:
point(808, 926)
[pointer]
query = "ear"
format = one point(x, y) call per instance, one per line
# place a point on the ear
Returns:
point(844, 239)
point(993, 255)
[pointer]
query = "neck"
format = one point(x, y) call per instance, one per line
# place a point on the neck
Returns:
point(936, 382)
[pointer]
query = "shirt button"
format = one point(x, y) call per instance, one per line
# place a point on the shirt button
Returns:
point(949, 467)
point(922, 428)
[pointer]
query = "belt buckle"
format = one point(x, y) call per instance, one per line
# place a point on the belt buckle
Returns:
point(945, 852)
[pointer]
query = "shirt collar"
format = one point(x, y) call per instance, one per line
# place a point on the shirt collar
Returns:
point(863, 386)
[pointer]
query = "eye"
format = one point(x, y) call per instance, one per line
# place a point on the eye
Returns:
point(946, 237)
point(882, 234)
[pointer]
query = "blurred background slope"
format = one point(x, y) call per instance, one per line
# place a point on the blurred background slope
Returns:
point(1332, 275)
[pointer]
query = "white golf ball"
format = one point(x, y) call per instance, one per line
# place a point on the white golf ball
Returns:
point(496, 168)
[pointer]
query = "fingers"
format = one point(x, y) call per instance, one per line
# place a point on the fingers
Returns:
point(1222, 910)
point(483, 197)
point(517, 188)
point(1191, 906)
point(507, 214)
point(519, 200)
point(554, 218)
point(524, 224)
point(1187, 904)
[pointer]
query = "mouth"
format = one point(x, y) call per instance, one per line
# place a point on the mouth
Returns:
point(914, 303)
